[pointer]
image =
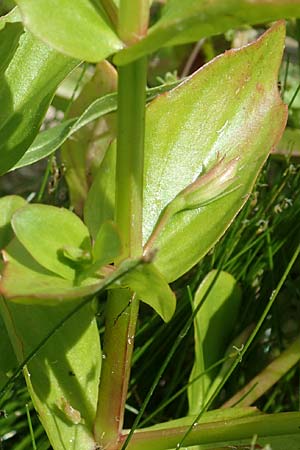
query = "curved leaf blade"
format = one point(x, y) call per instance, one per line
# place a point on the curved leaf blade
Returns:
point(50, 140)
point(151, 287)
point(195, 19)
point(238, 119)
point(213, 326)
point(63, 376)
point(45, 231)
point(28, 83)
point(79, 30)
point(8, 206)
point(37, 285)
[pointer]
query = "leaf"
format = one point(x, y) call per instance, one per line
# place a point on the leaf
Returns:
point(281, 431)
point(207, 417)
point(99, 205)
point(150, 287)
point(50, 140)
point(108, 244)
point(8, 360)
point(83, 154)
point(12, 17)
point(45, 231)
point(79, 30)
point(25, 94)
point(242, 117)
point(63, 376)
point(195, 19)
point(8, 205)
point(213, 327)
point(39, 286)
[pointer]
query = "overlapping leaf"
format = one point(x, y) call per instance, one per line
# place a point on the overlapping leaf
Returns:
point(29, 75)
point(213, 326)
point(80, 29)
point(63, 376)
point(191, 128)
point(192, 20)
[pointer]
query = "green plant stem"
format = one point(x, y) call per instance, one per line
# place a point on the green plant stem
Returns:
point(122, 306)
point(133, 20)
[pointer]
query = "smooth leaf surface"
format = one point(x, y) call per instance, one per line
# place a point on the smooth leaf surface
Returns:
point(8, 360)
point(36, 285)
point(50, 140)
point(107, 245)
point(150, 287)
point(280, 431)
point(8, 205)
point(79, 29)
point(83, 154)
point(63, 376)
point(29, 75)
point(207, 417)
point(99, 205)
point(189, 21)
point(190, 128)
point(45, 231)
point(213, 326)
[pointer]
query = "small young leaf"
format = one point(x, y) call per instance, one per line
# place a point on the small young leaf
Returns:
point(45, 231)
point(78, 29)
point(151, 287)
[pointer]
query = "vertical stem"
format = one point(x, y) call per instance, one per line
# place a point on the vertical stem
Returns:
point(130, 155)
point(122, 306)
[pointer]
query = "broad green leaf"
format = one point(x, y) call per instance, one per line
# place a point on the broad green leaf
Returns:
point(281, 431)
point(79, 29)
point(8, 205)
point(99, 205)
point(63, 376)
point(192, 127)
point(189, 21)
point(28, 81)
point(8, 360)
point(83, 154)
point(150, 287)
point(45, 231)
point(9, 41)
point(107, 245)
point(50, 140)
point(213, 327)
point(37, 285)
